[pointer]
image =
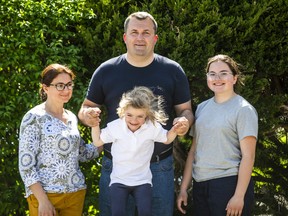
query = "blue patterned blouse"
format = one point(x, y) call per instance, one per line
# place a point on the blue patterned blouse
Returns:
point(50, 151)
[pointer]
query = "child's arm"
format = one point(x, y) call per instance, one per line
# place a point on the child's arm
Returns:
point(172, 133)
point(95, 133)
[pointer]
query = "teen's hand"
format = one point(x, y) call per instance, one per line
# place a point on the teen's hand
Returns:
point(182, 201)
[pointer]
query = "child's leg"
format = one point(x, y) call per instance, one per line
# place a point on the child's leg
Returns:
point(143, 199)
point(119, 195)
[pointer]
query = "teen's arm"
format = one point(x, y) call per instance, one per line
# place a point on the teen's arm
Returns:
point(187, 179)
point(248, 149)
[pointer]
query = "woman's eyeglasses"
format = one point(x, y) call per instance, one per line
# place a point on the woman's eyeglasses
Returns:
point(62, 86)
point(221, 75)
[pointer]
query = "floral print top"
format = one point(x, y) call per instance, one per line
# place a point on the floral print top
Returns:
point(50, 151)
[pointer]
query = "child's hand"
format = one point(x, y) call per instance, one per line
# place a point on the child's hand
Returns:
point(176, 127)
point(180, 126)
point(92, 116)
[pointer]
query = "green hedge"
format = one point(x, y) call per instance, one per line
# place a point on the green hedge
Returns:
point(82, 34)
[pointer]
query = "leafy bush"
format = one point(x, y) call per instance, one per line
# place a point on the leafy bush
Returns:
point(83, 34)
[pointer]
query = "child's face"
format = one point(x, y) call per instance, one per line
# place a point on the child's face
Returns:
point(135, 118)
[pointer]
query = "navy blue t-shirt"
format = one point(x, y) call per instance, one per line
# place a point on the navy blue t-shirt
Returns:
point(116, 76)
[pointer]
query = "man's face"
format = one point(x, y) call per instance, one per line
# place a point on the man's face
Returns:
point(140, 37)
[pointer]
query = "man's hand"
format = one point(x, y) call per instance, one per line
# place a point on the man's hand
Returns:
point(92, 116)
point(182, 125)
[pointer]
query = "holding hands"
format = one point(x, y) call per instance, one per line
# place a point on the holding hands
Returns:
point(92, 116)
point(180, 126)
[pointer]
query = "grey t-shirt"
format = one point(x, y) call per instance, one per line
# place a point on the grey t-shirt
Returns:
point(218, 130)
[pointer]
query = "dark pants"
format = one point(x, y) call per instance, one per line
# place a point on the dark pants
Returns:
point(142, 195)
point(162, 191)
point(211, 197)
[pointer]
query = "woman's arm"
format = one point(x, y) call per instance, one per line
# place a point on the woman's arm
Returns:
point(45, 206)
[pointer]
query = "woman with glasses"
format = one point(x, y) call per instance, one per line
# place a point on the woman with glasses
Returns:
point(50, 148)
point(222, 154)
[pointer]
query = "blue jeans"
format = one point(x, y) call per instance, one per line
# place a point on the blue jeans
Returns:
point(162, 190)
point(163, 187)
point(211, 197)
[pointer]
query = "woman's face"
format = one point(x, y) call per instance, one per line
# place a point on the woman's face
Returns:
point(135, 118)
point(220, 78)
point(60, 96)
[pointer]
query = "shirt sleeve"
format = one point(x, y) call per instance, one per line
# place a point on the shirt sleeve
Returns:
point(182, 91)
point(106, 135)
point(87, 151)
point(247, 122)
point(95, 91)
point(29, 139)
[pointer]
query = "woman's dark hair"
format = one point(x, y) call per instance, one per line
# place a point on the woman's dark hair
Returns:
point(49, 74)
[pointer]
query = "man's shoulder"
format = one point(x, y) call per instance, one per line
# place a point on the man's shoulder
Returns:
point(110, 65)
point(115, 61)
point(163, 59)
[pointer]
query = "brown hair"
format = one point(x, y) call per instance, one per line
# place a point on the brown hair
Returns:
point(140, 15)
point(49, 74)
point(232, 64)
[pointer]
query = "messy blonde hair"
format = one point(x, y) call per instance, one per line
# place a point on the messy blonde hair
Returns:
point(143, 98)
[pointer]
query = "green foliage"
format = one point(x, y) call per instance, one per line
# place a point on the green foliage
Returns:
point(83, 34)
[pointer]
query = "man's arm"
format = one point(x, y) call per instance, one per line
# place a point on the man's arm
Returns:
point(184, 113)
point(89, 113)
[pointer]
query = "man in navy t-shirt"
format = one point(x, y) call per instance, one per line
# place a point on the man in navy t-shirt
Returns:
point(140, 66)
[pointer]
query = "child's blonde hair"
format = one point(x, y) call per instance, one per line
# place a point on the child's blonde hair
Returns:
point(143, 98)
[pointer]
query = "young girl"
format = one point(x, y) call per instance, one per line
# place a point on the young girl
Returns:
point(133, 136)
point(222, 154)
